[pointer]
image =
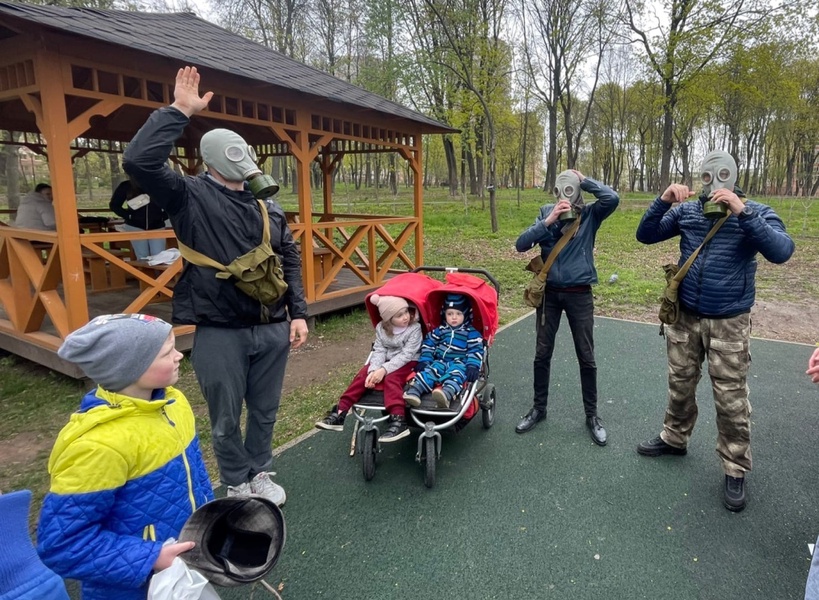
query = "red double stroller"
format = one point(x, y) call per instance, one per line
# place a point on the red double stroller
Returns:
point(427, 295)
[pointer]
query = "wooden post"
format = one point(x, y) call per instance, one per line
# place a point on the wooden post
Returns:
point(53, 124)
point(418, 197)
point(301, 152)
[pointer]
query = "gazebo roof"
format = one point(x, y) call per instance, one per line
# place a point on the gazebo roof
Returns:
point(188, 39)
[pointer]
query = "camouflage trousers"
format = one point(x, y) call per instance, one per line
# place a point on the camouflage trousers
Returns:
point(726, 344)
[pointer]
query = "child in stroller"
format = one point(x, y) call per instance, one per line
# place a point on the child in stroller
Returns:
point(397, 342)
point(450, 355)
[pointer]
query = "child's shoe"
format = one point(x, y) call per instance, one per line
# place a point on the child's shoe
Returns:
point(441, 397)
point(413, 396)
point(398, 429)
point(334, 421)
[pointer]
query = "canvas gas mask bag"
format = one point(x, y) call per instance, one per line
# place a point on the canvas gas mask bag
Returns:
point(534, 290)
point(231, 156)
point(257, 273)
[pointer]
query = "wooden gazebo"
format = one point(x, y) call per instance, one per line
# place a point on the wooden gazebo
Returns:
point(77, 79)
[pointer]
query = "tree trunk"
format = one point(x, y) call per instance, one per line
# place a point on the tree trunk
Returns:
point(551, 162)
point(451, 165)
point(668, 137)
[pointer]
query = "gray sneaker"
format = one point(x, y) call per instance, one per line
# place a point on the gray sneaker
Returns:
point(440, 397)
point(263, 485)
point(412, 396)
point(242, 489)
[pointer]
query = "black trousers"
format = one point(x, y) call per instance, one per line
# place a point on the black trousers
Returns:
point(579, 309)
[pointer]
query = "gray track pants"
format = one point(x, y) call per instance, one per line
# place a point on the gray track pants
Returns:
point(236, 365)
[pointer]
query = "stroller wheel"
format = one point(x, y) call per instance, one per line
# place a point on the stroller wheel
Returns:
point(369, 449)
point(488, 405)
point(429, 462)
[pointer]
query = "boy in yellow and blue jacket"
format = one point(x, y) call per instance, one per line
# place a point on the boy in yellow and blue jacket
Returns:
point(127, 471)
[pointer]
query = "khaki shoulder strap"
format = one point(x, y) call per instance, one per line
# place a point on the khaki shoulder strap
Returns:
point(200, 260)
point(561, 243)
point(687, 265)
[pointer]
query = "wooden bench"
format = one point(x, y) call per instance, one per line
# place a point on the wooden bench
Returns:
point(100, 275)
point(322, 262)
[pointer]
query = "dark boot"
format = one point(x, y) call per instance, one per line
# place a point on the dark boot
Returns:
point(598, 434)
point(532, 418)
point(734, 499)
point(398, 429)
point(334, 421)
point(657, 447)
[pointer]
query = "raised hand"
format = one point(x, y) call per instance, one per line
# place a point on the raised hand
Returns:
point(186, 97)
point(676, 192)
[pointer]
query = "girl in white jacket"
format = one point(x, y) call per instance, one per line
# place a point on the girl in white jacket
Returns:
point(396, 349)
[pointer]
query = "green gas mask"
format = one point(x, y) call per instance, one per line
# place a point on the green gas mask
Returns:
point(718, 171)
point(227, 153)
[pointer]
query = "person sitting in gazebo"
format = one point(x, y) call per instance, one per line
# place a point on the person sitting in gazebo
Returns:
point(36, 210)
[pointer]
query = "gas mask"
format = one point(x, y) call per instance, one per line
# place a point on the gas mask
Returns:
point(718, 171)
point(226, 152)
point(567, 187)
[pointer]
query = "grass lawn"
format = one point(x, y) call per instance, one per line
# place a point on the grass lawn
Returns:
point(35, 403)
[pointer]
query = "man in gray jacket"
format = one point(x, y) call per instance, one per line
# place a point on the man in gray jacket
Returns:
point(36, 210)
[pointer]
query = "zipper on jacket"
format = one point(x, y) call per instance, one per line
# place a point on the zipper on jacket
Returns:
point(188, 475)
point(704, 256)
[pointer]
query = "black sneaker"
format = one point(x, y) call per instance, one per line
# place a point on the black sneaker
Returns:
point(658, 447)
point(334, 421)
point(734, 499)
point(398, 429)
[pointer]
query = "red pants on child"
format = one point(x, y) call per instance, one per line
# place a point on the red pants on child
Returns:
point(393, 390)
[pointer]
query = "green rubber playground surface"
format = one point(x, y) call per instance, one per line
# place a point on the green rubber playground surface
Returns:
point(548, 514)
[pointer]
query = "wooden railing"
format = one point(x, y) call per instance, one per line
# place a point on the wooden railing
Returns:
point(367, 247)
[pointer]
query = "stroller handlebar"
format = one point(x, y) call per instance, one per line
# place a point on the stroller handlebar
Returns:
point(483, 272)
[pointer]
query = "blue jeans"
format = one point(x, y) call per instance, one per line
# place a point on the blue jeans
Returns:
point(144, 248)
point(579, 308)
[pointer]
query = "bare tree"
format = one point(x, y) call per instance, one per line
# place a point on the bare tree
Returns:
point(560, 36)
point(696, 33)
point(471, 30)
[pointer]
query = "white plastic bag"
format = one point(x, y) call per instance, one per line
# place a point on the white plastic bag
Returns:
point(179, 582)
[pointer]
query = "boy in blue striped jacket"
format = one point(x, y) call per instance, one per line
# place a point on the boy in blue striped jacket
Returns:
point(450, 355)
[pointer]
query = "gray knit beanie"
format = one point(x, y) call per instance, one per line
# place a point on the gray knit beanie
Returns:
point(115, 350)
